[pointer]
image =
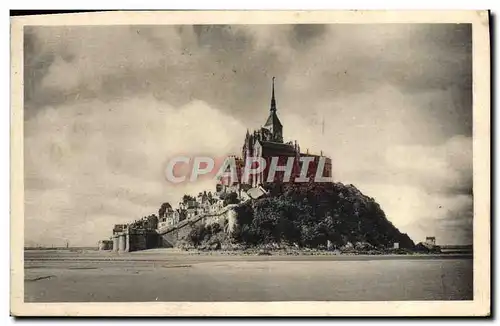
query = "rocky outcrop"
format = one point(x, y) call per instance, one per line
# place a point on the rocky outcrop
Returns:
point(330, 215)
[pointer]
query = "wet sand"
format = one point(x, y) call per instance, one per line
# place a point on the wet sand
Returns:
point(171, 275)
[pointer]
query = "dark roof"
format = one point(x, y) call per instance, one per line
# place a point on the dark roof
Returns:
point(313, 155)
point(273, 120)
point(277, 148)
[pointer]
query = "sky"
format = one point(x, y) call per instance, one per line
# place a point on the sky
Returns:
point(105, 107)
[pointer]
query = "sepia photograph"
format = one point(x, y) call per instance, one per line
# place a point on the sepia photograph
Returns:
point(206, 162)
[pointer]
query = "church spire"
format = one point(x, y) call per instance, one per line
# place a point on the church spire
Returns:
point(273, 100)
point(273, 124)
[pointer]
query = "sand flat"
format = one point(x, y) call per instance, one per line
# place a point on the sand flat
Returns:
point(170, 275)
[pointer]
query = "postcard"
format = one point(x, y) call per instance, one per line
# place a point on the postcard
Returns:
point(250, 163)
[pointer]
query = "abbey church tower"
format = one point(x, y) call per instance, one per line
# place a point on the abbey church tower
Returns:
point(273, 124)
point(267, 143)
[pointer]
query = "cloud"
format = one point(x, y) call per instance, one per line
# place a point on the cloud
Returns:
point(427, 190)
point(177, 63)
point(421, 214)
point(445, 169)
point(92, 165)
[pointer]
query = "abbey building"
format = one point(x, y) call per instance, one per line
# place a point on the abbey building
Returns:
point(267, 144)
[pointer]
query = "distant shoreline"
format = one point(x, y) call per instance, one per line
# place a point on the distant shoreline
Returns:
point(166, 254)
point(324, 253)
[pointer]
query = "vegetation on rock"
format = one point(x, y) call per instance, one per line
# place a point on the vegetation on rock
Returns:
point(310, 216)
